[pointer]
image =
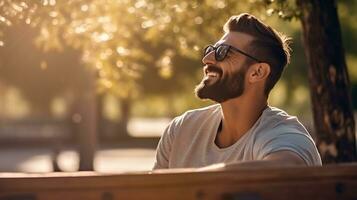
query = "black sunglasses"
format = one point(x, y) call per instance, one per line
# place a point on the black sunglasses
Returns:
point(221, 51)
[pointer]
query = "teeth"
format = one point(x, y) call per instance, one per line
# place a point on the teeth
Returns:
point(214, 74)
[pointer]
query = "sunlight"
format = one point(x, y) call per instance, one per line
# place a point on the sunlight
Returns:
point(125, 160)
point(221, 4)
point(301, 95)
point(119, 63)
point(84, 8)
point(43, 65)
point(53, 14)
point(122, 51)
point(144, 54)
point(81, 28)
point(38, 163)
point(144, 127)
point(59, 107)
point(198, 20)
point(2, 19)
point(49, 2)
point(140, 4)
point(147, 24)
point(278, 95)
point(101, 37)
point(14, 104)
point(106, 54)
point(111, 108)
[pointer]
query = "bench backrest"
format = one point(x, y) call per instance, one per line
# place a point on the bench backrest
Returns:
point(328, 182)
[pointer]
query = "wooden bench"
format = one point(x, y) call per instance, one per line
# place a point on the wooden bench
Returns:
point(328, 182)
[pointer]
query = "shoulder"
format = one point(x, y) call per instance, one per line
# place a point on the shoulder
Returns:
point(280, 131)
point(276, 119)
point(276, 122)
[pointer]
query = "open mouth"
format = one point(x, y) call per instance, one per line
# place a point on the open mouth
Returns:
point(212, 71)
point(212, 74)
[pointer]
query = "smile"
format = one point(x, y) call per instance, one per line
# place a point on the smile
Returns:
point(212, 71)
point(212, 74)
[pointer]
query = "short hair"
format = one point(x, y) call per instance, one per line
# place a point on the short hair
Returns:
point(268, 45)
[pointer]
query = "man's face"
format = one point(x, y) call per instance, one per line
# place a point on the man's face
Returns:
point(224, 80)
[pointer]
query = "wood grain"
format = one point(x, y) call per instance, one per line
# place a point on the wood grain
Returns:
point(328, 182)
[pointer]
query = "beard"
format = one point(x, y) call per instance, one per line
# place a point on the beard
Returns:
point(221, 88)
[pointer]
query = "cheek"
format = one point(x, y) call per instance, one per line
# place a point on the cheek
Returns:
point(231, 66)
point(236, 63)
point(234, 67)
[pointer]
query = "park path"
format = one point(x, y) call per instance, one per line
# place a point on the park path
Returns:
point(38, 159)
point(133, 155)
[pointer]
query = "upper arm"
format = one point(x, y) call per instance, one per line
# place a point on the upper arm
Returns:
point(164, 147)
point(286, 157)
point(276, 159)
point(294, 146)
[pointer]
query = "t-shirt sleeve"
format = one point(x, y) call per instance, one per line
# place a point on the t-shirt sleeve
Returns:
point(299, 143)
point(164, 147)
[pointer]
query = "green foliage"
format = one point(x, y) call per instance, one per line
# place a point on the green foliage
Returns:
point(39, 75)
point(149, 47)
point(285, 9)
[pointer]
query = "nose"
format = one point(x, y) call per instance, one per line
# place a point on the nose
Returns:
point(209, 58)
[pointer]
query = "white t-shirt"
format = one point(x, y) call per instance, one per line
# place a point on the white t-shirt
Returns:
point(189, 140)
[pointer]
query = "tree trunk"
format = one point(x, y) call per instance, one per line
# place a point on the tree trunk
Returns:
point(125, 106)
point(329, 82)
point(101, 128)
point(87, 126)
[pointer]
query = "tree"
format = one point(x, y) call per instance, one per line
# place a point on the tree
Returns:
point(127, 40)
point(329, 80)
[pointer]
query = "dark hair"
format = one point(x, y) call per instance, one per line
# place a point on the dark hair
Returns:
point(268, 45)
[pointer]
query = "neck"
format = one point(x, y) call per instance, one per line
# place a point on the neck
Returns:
point(239, 115)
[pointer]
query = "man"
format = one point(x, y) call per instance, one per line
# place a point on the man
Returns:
point(242, 130)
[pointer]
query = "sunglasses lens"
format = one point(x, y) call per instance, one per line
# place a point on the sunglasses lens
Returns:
point(207, 50)
point(221, 52)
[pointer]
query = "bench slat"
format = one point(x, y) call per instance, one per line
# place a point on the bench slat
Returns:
point(328, 182)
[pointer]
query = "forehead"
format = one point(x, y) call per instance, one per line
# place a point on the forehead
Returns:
point(236, 39)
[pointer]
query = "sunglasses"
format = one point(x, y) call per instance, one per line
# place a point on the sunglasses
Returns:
point(221, 51)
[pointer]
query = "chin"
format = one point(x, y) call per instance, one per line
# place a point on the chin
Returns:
point(205, 92)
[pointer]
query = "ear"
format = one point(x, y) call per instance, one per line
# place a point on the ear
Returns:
point(258, 72)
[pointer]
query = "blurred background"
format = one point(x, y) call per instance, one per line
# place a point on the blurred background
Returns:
point(92, 84)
